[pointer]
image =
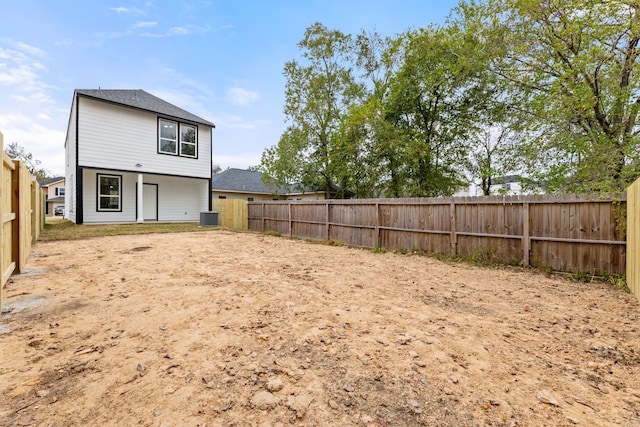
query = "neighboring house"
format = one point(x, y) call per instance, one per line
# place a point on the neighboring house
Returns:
point(132, 157)
point(53, 189)
point(508, 185)
point(247, 185)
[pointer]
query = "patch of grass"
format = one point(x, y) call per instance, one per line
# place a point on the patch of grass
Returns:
point(379, 250)
point(619, 282)
point(272, 233)
point(582, 277)
point(66, 230)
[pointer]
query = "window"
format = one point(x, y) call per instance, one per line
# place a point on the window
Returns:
point(178, 139)
point(249, 199)
point(60, 191)
point(222, 197)
point(187, 141)
point(168, 137)
point(109, 192)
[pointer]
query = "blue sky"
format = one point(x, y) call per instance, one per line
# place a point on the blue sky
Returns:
point(221, 60)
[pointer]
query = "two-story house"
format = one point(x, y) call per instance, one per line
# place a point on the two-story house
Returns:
point(133, 157)
point(53, 193)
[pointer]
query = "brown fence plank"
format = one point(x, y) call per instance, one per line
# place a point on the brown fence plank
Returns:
point(568, 232)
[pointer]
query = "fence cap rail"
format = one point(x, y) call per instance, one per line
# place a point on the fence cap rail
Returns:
point(531, 199)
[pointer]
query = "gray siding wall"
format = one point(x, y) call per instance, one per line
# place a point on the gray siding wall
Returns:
point(114, 137)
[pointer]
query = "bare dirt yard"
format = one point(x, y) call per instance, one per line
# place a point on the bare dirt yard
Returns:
point(222, 329)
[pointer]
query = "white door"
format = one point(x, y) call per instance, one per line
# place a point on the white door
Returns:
point(150, 202)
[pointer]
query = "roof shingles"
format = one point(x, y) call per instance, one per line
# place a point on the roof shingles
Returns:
point(139, 99)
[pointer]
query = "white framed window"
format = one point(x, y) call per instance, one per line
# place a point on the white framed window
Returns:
point(188, 144)
point(178, 139)
point(167, 137)
point(109, 193)
point(60, 191)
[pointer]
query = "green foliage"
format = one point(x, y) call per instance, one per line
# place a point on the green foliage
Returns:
point(318, 94)
point(573, 67)
point(619, 282)
point(546, 89)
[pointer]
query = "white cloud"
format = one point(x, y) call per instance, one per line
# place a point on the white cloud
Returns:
point(21, 46)
point(36, 97)
point(144, 24)
point(132, 10)
point(45, 143)
point(241, 97)
point(29, 114)
point(179, 31)
point(21, 71)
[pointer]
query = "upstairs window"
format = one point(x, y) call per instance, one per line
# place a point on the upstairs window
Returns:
point(177, 139)
point(187, 140)
point(168, 132)
point(60, 191)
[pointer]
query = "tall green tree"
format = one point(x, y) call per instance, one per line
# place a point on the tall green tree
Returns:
point(434, 98)
point(367, 136)
point(318, 94)
point(574, 66)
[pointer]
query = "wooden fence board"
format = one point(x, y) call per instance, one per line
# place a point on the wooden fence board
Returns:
point(633, 238)
point(21, 214)
point(568, 232)
point(232, 213)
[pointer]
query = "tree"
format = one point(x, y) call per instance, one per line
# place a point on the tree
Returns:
point(434, 99)
point(17, 152)
point(318, 94)
point(574, 66)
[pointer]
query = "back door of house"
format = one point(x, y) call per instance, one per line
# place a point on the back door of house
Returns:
point(150, 202)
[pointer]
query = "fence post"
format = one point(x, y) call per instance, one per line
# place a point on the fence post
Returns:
point(454, 235)
point(377, 225)
point(526, 240)
point(290, 222)
point(327, 222)
point(262, 217)
point(2, 247)
point(15, 208)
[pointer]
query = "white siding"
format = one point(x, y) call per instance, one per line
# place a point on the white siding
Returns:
point(179, 199)
point(114, 137)
point(70, 166)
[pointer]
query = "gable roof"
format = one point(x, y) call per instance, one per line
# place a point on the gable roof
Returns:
point(141, 100)
point(49, 181)
point(246, 181)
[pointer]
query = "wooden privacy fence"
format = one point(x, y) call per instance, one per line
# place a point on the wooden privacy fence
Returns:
point(633, 238)
point(232, 213)
point(578, 233)
point(22, 216)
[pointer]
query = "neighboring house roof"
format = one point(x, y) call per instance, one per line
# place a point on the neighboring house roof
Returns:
point(141, 100)
point(49, 181)
point(246, 181)
point(506, 179)
point(56, 199)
